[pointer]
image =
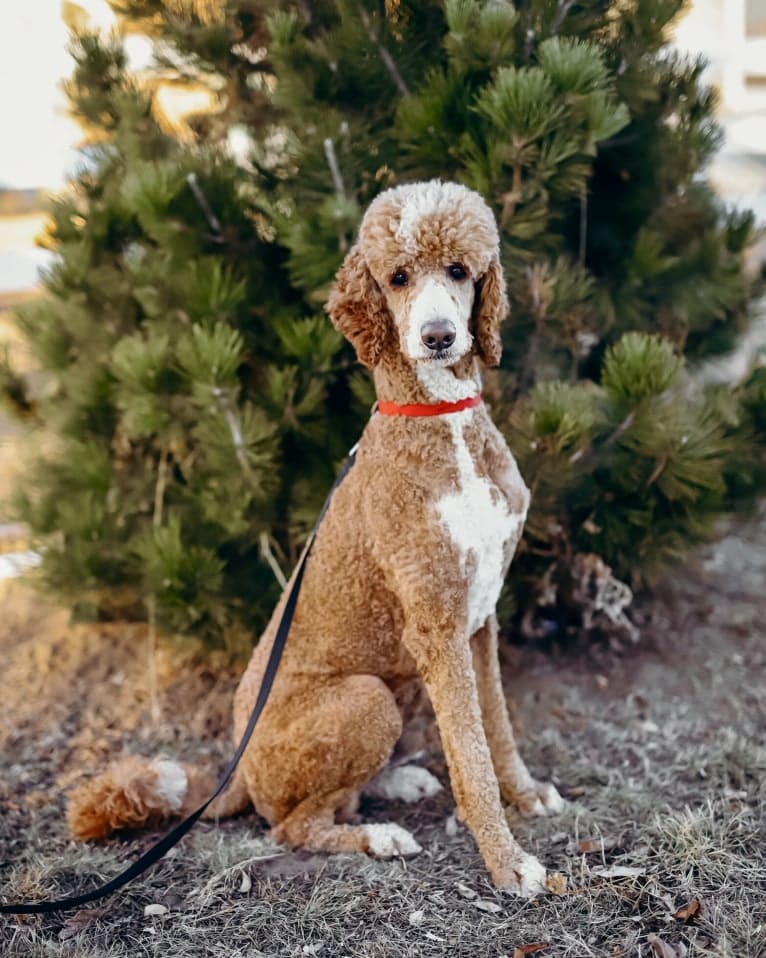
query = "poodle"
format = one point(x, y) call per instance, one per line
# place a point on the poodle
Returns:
point(400, 589)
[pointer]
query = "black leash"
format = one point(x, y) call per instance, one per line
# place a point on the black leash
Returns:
point(160, 848)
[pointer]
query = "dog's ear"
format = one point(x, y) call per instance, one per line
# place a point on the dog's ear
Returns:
point(489, 310)
point(358, 309)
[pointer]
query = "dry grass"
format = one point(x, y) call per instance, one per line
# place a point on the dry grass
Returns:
point(665, 744)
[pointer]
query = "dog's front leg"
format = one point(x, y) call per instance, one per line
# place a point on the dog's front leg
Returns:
point(516, 784)
point(444, 661)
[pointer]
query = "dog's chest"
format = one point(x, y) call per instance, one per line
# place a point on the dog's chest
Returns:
point(481, 525)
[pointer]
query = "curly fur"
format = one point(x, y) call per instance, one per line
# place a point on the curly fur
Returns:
point(398, 597)
point(490, 310)
point(128, 794)
point(358, 309)
point(432, 225)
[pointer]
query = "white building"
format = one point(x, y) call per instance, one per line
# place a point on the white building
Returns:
point(732, 35)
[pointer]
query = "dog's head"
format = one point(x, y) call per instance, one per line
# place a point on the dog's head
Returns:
point(424, 278)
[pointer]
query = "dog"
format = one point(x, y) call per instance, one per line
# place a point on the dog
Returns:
point(400, 589)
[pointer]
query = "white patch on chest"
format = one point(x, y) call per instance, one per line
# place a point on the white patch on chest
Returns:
point(480, 524)
point(443, 385)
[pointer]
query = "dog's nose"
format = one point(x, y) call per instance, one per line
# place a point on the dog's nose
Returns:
point(437, 334)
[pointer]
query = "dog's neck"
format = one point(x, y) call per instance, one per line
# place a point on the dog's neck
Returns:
point(399, 381)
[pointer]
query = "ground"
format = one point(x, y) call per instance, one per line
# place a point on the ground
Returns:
point(658, 746)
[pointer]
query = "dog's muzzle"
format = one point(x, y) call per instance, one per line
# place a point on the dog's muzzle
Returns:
point(437, 330)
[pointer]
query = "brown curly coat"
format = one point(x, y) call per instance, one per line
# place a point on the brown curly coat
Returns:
point(392, 599)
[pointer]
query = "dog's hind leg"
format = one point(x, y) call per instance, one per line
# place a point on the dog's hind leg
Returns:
point(312, 825)
point(340, 734)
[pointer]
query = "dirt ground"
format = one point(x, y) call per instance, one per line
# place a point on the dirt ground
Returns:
point(660, 748)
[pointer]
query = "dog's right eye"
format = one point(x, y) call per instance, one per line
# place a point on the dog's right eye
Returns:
point(399, 278)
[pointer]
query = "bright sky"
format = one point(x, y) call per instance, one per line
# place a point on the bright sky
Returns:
point(37, 140)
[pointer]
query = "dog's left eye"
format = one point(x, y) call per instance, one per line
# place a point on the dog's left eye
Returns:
point(400, 278)
point(457, 272)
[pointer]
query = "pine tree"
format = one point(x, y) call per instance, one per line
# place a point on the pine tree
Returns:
point(185, 380)
point(201, 400)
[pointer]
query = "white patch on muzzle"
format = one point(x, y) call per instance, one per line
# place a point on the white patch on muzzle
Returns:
point(433, 302)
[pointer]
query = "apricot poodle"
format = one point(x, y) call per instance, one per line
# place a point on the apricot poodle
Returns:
point(400, 590)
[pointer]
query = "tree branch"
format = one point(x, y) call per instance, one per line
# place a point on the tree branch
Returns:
point(332, 162)
point(583, 224)
point(340, 189)
point(236, 432)
point(564, 6)
point(269, 556)
point(159, 489)
point(386, 57)
point(151, 599)
point(199, 196)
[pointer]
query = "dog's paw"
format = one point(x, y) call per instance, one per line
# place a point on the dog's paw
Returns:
point(388, 841)
point(409, 783)
point(541, 799)
point(526, 877)
point(532, 877)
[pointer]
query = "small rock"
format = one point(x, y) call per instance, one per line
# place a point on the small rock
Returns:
point(619, 871)
point(483, 904)
point(649, 726)
point(417, 917)
point(150, 910)
point(313, 949)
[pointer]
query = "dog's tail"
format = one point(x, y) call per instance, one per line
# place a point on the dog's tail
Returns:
point(136, 792)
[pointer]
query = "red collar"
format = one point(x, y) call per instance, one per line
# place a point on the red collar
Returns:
point(427, 409)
